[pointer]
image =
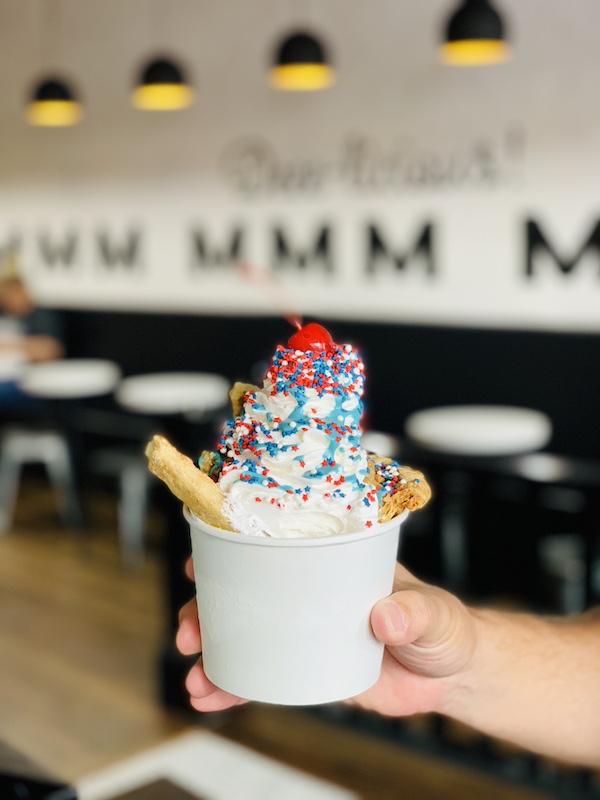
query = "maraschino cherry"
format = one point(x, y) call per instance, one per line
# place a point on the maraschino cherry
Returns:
point(312, 337)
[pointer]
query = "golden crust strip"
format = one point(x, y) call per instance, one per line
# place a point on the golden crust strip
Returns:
point(192, 486)
point(414, 493)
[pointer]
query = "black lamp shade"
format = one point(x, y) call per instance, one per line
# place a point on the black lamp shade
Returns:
point(53, 90)
point(301, 48)
point(475, 19)
point(161, 71)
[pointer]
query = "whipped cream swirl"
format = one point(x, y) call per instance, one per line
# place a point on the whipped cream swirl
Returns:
point(293, 462)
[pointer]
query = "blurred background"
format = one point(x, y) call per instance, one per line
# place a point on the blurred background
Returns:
point(179, 182)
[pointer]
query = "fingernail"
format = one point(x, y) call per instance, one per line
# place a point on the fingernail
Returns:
point(395, 617)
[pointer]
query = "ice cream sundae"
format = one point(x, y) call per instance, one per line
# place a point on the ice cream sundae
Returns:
point(290, 463)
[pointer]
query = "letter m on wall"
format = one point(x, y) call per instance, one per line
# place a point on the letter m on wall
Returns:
point(380, 253)
point(537, 244)
point(318, 256)
point(207, 255)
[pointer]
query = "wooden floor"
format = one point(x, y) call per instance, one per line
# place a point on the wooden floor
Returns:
point(79, 638)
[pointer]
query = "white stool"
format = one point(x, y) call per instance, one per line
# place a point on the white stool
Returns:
point(479, 430)
point(189, 393)
point(195, 395)
point(70, 379)
point(472, 431)
point(24, 445)
point(381, 443)
point(64, 381)
point(130, 467)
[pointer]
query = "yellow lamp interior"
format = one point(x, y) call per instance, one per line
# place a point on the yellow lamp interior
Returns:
point(301, 77)
point(54, 113)
point(163, 96)
point(474, 52)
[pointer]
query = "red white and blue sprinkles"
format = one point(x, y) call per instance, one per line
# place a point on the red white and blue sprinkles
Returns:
point(297, 440)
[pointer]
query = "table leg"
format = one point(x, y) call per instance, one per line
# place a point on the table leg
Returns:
point(453, 529)
point(591, 536)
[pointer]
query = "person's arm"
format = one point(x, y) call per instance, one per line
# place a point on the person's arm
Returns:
point(41, 348)
point(33, 348)
point(531, 680)
point(536, 682)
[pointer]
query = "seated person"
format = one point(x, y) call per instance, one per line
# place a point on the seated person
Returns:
point(27, 335)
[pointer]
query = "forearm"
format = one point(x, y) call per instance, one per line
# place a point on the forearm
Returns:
point(42, 348)
point(535, 682)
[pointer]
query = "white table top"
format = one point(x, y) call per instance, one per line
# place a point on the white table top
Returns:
point(479, 430)
point(70, 378)
point(12, 366)
point(384, 444)
point(173, 392)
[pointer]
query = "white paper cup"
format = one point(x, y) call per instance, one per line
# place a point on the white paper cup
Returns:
point(287, 620)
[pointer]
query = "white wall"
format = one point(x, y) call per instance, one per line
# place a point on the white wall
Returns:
point(402, 145)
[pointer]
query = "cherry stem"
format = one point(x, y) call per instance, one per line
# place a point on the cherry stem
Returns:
point(272, 289)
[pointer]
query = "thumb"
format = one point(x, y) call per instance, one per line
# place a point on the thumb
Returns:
point(426, 629)
point(404, 617)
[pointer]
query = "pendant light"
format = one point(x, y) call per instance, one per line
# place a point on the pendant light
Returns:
point(162, 87)
point(475, 35)
point(53, 104)
point(301, 64)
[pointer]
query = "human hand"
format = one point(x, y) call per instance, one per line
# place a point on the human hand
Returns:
point(204, 695)
point(429, 636)
point(430, 639)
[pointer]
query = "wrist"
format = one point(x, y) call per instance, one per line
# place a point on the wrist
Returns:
point(459, 689)
point(501, 670)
